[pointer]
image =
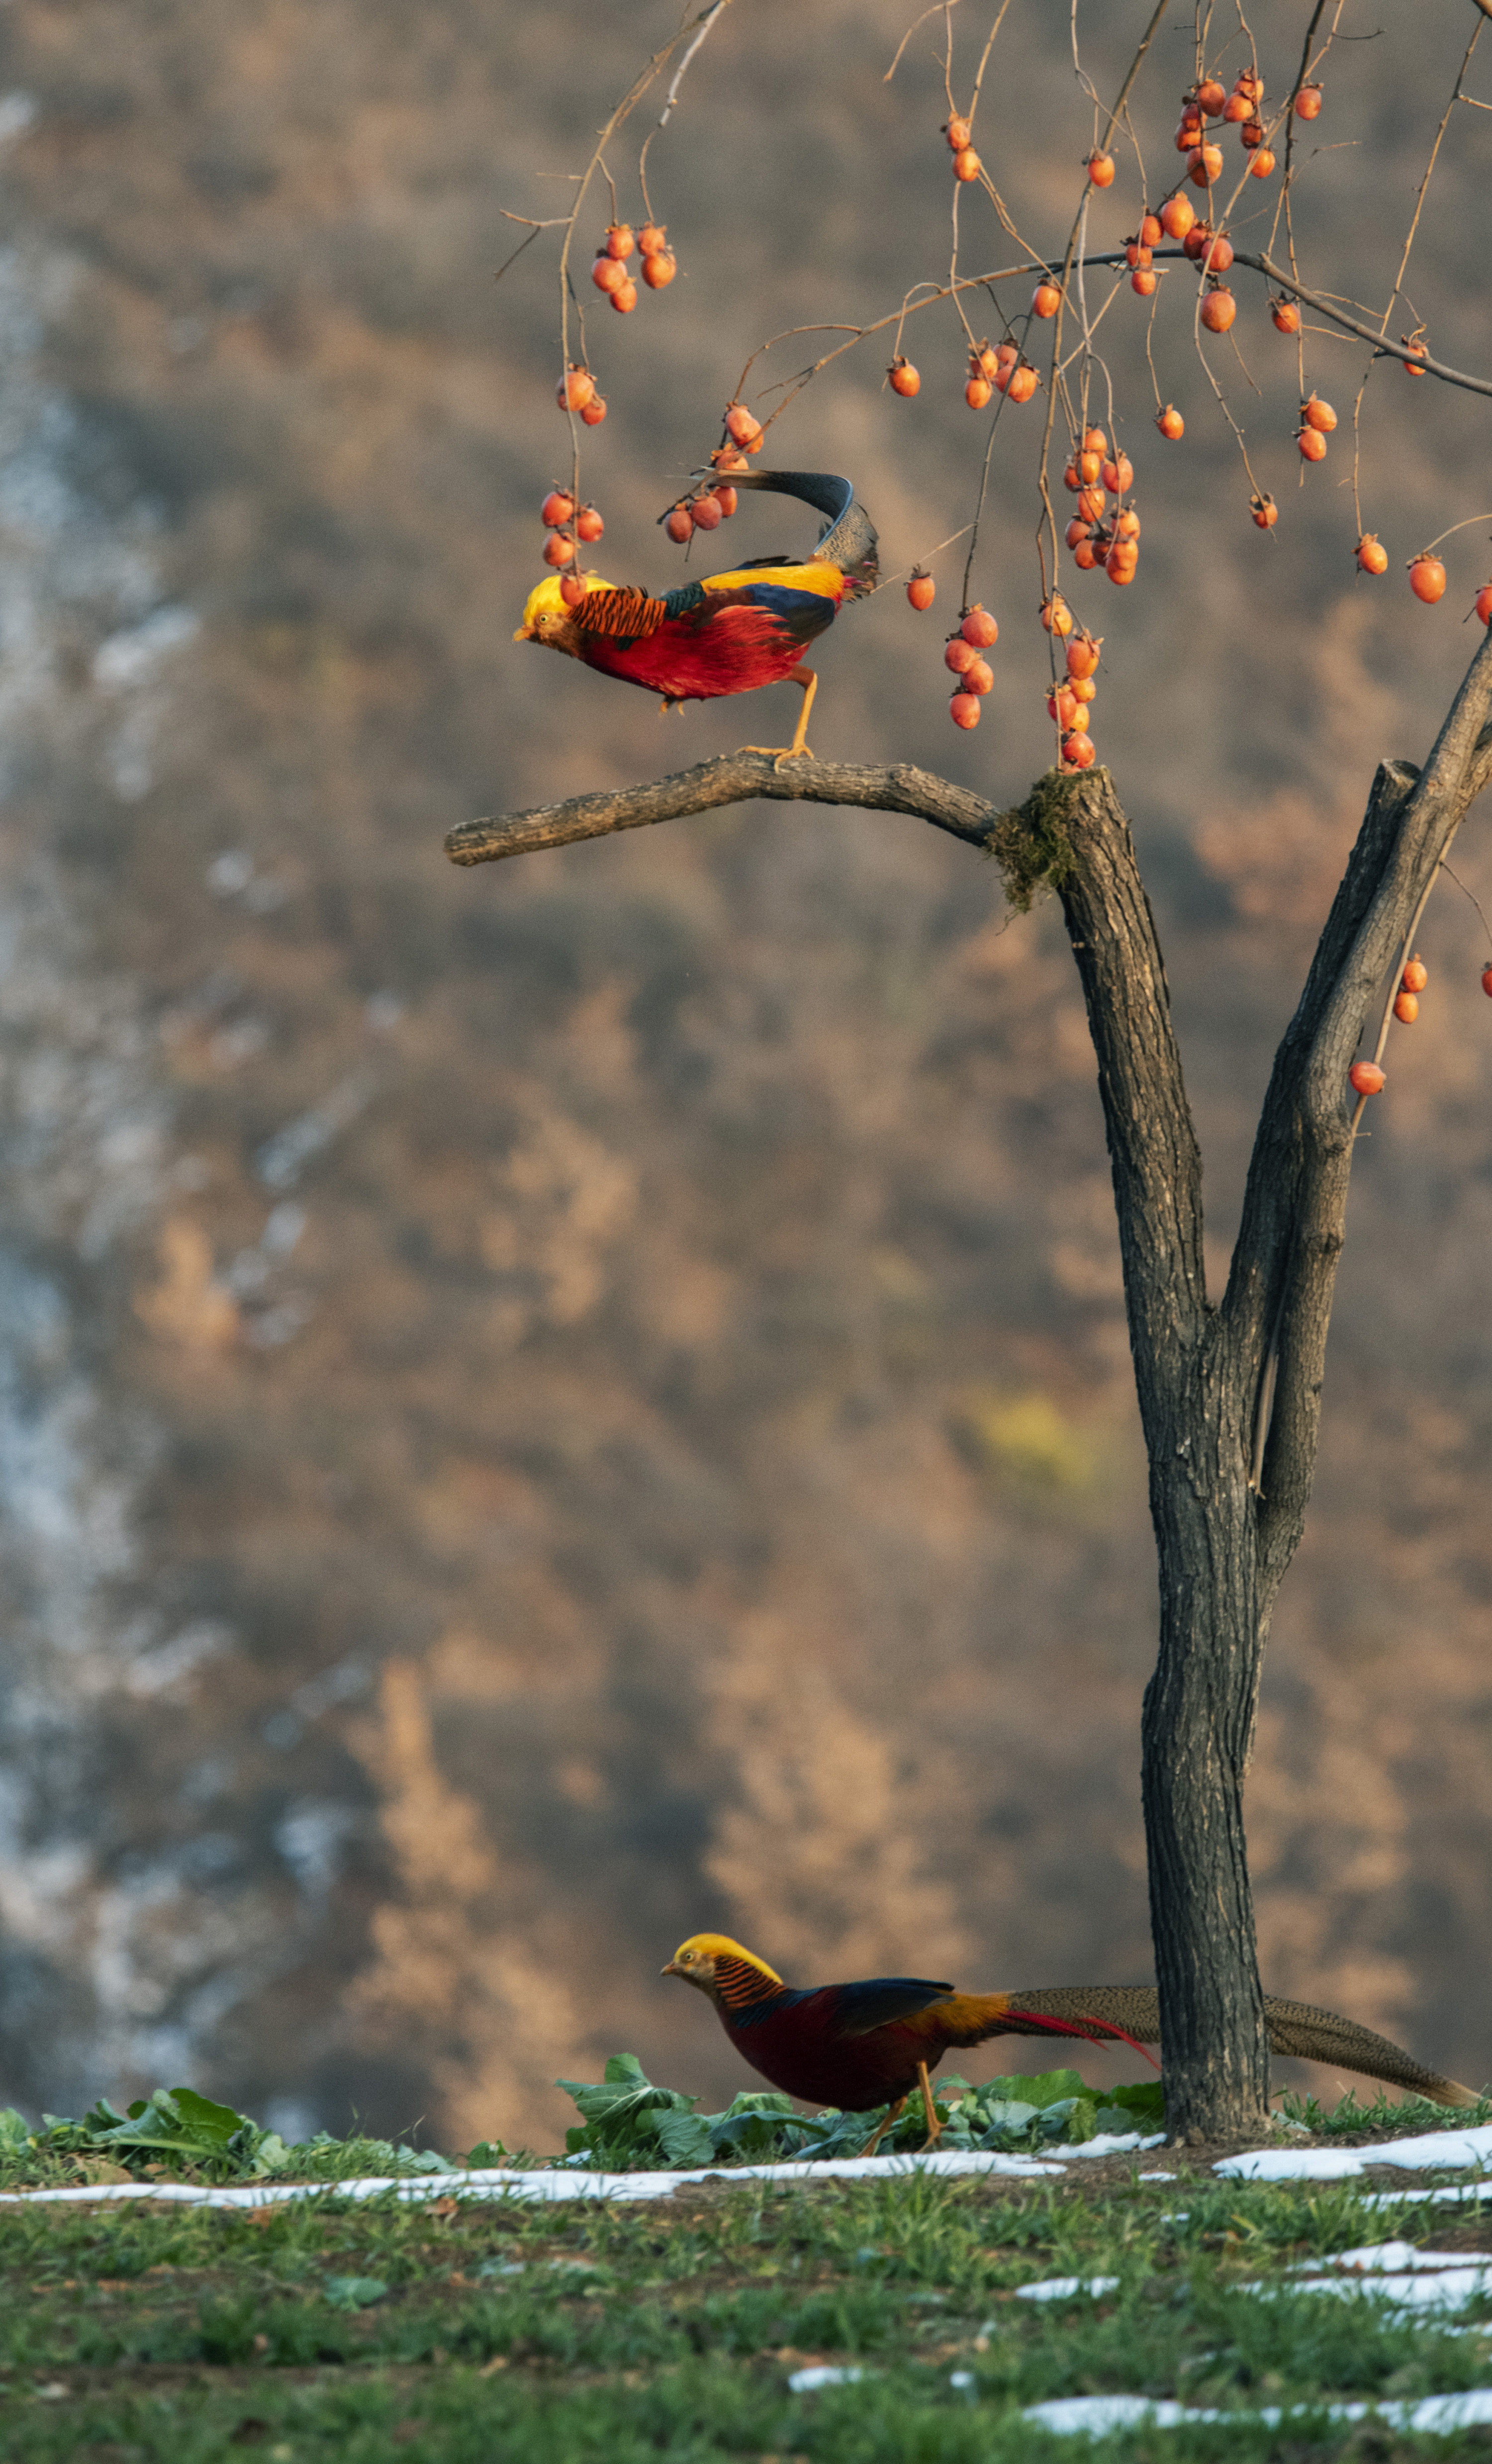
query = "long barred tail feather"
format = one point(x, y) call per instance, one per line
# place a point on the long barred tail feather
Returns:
point(1133, 2011)
point(1088, 2025)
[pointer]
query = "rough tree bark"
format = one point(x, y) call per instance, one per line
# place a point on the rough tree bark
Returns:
point(1229, 1395)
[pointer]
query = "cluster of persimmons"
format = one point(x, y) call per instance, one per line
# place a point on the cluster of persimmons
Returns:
point(1104, 527)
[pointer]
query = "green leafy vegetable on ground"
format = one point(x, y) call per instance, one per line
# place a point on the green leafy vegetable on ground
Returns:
point(627, 2123)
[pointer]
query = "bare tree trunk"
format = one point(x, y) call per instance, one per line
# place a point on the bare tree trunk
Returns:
point(1220, 1389)
point(1230, 1396)
point(1195, 1407)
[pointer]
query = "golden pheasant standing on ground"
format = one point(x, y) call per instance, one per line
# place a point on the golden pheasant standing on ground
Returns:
point(870, 2043)
point(731, 633)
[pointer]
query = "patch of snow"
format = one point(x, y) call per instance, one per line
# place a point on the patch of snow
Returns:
point(822, 2374)
point(282, 1158)
point(309, 1836)
point(17, 114)
point(1292, 2165)
point(1450, 2288)
point(1116, 2142)
point(343, 1682)
point(1094, 2417)
point(498, 2181)
point(230, 872)
point(153, 1671)
point(278, 1325)
point(283, 1228)
point(1430, 2149)
point(131, 657)
point(1380, 2256)
point(1066, 2288)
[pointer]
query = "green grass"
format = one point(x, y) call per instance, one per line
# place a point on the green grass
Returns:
point(1383, 2116)
point(509, 2334)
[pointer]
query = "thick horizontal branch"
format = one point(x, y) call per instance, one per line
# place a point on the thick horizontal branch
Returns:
point(1286, 281)
point(732, 779)
point(1294, 288)
point(1432, 367)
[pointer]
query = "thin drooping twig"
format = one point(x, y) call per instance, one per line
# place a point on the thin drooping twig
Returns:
point(1124, 93)
point(1048, 517)
point(732, 778)
point(1419, 200)
point(1454, 876)
point(701, 32)
point(1307, 68)
point(634, 96)
point(937, 10)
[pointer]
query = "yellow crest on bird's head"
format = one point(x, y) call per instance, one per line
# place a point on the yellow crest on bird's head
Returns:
point(544, 610)
point(722, 1968)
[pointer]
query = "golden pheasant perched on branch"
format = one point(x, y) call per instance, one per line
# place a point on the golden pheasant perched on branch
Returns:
point(732, 632)
point(870, 2043)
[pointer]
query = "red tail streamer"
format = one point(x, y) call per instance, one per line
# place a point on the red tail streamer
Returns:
point(1092, 2031)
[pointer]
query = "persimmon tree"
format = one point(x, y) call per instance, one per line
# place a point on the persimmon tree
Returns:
point(1229, 1391)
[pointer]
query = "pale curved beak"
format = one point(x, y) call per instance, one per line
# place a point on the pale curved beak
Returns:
point(671, 1969)
point(523, 634)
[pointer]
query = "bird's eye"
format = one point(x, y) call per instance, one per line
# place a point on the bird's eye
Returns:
point(684, 1957)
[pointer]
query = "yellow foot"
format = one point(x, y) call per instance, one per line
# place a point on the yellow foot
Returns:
point(777, 754)
point(882, 2128)
point(929, 2108)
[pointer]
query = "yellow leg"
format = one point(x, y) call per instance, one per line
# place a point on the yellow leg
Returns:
point(666, 705)
point(797, 749)
point(882, 2128)
point(935, 2126)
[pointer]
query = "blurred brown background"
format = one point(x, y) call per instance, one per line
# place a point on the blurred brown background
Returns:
point(545, 1408)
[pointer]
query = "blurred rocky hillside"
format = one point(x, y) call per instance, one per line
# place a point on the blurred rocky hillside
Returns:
point(545, 1408)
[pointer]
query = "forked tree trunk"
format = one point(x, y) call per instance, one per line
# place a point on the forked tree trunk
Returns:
point(1230, 1395)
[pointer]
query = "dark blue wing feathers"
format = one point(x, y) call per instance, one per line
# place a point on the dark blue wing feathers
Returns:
point(877, 1999)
